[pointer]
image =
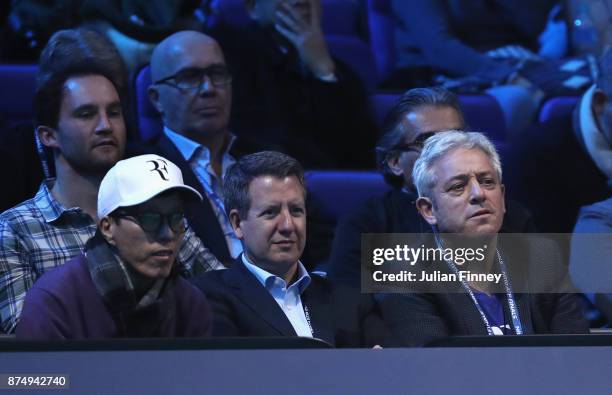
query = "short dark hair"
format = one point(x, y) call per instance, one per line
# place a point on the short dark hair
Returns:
point(72, 53)
point(604, 80)
point(240, 175)
point(393, 130)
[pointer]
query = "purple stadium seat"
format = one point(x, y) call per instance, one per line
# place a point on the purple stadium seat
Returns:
point(356, 54)
point(149, 120)
point(342, 191)
point(482, 112)
point(17, 84)
point(231, 12)
point(381, 25)
point(381, 103)
point(340, 17)
point(558, 106)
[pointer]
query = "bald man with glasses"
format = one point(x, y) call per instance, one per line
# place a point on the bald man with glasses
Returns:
point(192, 91)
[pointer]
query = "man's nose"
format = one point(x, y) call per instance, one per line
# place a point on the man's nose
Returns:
point(476, 192)
point(104, 124)
point(286, 224)
point(165, 232)
point(206, 87)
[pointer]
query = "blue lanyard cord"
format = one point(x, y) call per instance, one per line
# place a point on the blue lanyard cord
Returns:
point(516, 319)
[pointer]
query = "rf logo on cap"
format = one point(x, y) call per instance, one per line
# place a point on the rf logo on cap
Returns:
point(160, 168)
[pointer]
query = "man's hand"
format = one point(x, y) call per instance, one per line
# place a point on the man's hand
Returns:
point(300, 22)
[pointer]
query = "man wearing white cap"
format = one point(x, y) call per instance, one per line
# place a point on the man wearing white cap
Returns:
point(126, 283)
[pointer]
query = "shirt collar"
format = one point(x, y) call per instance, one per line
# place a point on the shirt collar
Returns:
point(188, 148)
point(268, 279)
point(50, 208)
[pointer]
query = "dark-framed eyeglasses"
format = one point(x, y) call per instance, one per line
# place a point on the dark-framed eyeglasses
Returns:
point(151, 221)
point(416, 145)
point(193, 78)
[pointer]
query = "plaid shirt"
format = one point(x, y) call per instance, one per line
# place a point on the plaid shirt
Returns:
point(40, 234)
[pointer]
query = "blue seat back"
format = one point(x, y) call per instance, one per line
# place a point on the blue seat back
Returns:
point(17, 84)
point(381, 26)
point(482, 112)
point(558, 106)
point(339, 192)
point(150, 124)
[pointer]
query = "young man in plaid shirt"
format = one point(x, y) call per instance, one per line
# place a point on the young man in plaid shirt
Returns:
point(79, 118)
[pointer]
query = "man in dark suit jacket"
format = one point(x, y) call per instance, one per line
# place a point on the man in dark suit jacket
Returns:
point(416, 116)
point(458, 179)
point(267, 291)
point(192, 90)
point(289, 89)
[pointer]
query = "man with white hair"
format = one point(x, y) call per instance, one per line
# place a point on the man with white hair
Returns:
point(126, 283)
point(459, 181)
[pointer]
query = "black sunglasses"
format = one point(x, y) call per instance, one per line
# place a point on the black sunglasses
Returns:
point(194, 77)
point(152, 222)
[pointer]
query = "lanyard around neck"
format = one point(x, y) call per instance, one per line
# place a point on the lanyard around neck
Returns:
point(512, 306)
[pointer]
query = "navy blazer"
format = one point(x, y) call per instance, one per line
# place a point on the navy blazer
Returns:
point(243, 307)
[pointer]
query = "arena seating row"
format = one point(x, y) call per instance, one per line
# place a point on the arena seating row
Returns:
point(17, 82)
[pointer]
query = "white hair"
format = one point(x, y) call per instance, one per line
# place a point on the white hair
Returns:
point(442, 143)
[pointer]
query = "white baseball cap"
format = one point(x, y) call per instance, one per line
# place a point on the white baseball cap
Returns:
point(135, 180)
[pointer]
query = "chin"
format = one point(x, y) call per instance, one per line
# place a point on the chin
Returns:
point(483, 230)
point(157, 274)
point(286, 259)
point(105, 162)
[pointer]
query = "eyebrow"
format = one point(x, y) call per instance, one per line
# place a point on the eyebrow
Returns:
point(85, 107)
point(463, 177)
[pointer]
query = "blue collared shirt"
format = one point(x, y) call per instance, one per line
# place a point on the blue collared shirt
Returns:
point(288, 298)
point(198, 157)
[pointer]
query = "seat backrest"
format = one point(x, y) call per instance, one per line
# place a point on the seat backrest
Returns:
point(339, 192)
point(17, 84)
point(482, 112)
point(558, 106)
point(149, 120)
point(381, 26)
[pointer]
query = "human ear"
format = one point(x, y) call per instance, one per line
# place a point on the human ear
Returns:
point(106, 228)
point(599, 102)
point(393, 164)
point(47, 136)
point(153, 94)
point(236, 221)
point(425, 207)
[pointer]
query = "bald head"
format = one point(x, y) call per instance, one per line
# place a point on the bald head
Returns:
point(199, 112)
point(174, 52)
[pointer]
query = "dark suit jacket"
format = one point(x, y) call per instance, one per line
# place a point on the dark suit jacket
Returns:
point(275, 99)
point(201, 216)
point(243, 307)
point(415, 319)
